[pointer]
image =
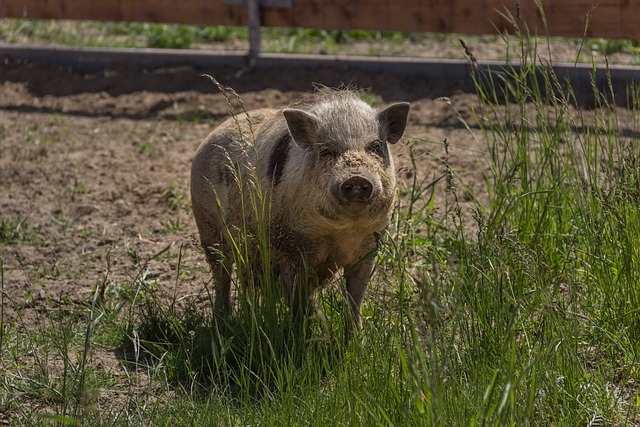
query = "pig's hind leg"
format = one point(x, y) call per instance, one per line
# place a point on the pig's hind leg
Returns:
point(221, 262)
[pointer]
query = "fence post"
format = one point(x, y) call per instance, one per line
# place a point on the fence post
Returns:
point(253, 7)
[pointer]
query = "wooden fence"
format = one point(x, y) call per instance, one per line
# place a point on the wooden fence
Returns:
point(607, 18)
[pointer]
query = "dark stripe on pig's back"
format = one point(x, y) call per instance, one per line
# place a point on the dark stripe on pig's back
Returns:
point(278, 158)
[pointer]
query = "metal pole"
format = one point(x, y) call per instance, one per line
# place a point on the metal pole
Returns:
point(254, 31)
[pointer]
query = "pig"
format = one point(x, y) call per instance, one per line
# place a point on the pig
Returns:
point(323, 166)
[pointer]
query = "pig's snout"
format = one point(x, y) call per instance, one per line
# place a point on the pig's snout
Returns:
point(356, 189)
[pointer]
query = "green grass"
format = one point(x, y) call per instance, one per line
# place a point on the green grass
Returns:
point(85, 33)
point(528, 316)
point(297, 40)
point(16, 229)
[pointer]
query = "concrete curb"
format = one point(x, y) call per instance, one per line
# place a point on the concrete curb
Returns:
point(443, 71)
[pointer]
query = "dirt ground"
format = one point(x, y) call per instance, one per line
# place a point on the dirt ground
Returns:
point(94, 169)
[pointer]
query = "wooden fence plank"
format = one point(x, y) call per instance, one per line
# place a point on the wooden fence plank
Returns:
point(197, 12)
point(612, 18)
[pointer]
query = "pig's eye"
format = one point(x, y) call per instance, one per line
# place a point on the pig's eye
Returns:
point(376, 148)
point(326, 153)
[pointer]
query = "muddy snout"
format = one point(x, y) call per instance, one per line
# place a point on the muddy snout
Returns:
point(356, 188)
point(356, 192)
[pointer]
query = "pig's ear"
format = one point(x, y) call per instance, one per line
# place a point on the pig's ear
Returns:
point(393, 120)
point(303, 126)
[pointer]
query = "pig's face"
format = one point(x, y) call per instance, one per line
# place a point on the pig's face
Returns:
point(348, 160)
point(359, 178)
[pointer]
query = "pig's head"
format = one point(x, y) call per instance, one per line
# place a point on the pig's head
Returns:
point(347, 158)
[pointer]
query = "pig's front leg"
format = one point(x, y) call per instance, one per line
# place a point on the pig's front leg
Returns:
point(357, 277)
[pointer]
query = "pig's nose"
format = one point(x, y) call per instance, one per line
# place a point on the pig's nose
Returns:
point(356, 189)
